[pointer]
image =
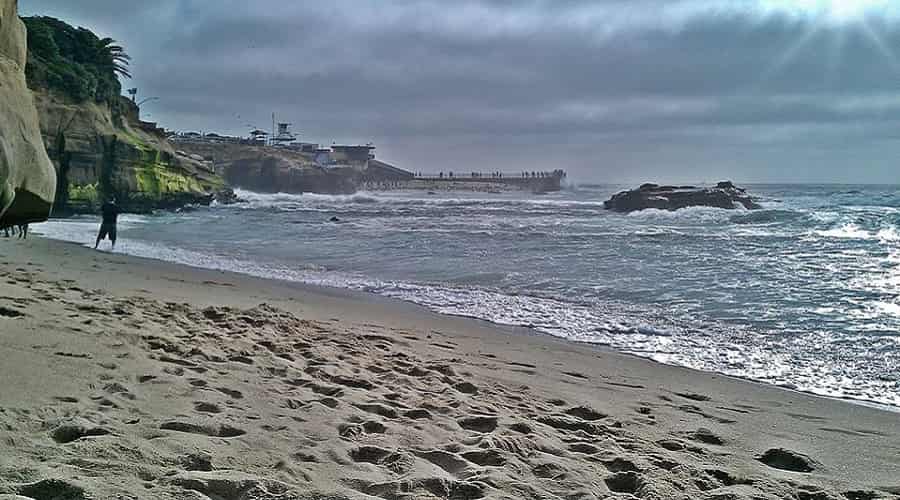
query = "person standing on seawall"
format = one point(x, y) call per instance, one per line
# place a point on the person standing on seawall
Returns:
point(110, 212)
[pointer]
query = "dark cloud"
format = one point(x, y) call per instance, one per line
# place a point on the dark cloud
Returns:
point(613, 90)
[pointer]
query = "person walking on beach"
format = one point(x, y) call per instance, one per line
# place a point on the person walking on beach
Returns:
point(110, 212)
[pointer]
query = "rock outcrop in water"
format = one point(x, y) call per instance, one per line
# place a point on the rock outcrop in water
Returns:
point(724, 195)
point(27, 179)
point(94, 137)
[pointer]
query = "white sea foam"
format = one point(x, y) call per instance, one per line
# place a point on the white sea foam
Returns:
point(847, 231)
point(793, 295)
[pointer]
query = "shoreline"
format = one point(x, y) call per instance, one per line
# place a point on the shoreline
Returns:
point(360, 294)
point(318, 389)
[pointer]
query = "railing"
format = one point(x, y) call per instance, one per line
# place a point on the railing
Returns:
point(501, 177)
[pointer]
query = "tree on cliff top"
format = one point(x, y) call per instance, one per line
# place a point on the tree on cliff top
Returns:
point(114, 56)
point(74, 61)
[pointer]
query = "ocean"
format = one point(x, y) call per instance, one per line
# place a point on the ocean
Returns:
point(804, 294)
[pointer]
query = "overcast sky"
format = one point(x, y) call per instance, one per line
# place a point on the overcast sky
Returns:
point(614, 90)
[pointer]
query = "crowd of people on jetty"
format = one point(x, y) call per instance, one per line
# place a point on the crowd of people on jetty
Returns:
point(494, 175)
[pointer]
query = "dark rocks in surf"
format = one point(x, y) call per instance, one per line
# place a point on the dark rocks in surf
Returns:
point(226, 196)
point(724, 195)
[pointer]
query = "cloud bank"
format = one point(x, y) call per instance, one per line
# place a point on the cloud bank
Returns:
point(615, 91)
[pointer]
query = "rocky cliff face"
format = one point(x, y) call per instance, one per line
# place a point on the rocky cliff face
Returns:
point(269, 170)
point(93, 135)
point(99, 150)
point(27, 178)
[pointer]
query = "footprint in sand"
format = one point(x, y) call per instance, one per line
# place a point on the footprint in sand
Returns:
point(784, 459)
point(624, 482)
point(73, 432)
point(6, 312)
point(693, 396)
point(204, 407)
point(485, 458)
point(478, 423)
point(586, 413)
point(466, 388)
point(378, 409)
point(397, 462)
point(353, 431)
point(418, 414)
point(705, 436)
point(585, 448)
point(50, 489)
point(230, 392)
point(218, 430)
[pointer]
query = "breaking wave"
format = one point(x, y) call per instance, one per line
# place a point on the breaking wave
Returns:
point(801, 294)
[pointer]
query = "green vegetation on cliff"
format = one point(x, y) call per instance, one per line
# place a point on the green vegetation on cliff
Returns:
point(87, 195)
point(156, 181)
point(94, 135)
point(73, 61)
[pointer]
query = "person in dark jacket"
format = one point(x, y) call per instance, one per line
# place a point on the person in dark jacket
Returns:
point(110, 212)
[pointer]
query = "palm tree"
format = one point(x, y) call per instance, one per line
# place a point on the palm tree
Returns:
point(113, 56)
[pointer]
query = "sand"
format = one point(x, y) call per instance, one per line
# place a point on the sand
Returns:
point(126, 378)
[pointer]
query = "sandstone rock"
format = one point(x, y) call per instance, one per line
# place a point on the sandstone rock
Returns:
point(27, 178)
point(98, 151)
point(271, 170)
point(723, 195)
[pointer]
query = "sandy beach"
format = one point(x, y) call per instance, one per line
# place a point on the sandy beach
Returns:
point(130, 378)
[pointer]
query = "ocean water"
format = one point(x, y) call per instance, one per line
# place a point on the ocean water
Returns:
point(803, 294)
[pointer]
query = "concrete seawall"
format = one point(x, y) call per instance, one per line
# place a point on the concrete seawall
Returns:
point(549, 183)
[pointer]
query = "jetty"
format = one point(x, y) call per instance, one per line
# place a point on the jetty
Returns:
point(386, 178)
point(280, 162)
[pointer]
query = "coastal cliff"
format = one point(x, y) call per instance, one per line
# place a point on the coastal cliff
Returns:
point(27, 178)
point(98, 151)
point(271, 170)
point(93, 135)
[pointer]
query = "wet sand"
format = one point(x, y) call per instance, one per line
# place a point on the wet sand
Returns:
point(133, 378)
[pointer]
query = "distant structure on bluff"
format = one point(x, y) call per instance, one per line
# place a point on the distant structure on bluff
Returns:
point(280, 162)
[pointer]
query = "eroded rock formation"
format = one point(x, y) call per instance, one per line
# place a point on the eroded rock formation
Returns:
point(27, 178)
point(100, 150)
point(94, 136)
point(269, 170)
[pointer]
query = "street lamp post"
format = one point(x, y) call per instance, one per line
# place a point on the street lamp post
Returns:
point(147, 100)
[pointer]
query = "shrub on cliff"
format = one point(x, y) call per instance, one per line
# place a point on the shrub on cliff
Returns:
point(73, 61)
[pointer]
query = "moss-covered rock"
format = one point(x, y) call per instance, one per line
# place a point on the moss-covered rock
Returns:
point(86, 195)
point(99, 154)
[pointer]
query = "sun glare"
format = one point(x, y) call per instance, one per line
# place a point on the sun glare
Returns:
point(837, 19)
point(833, 10)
